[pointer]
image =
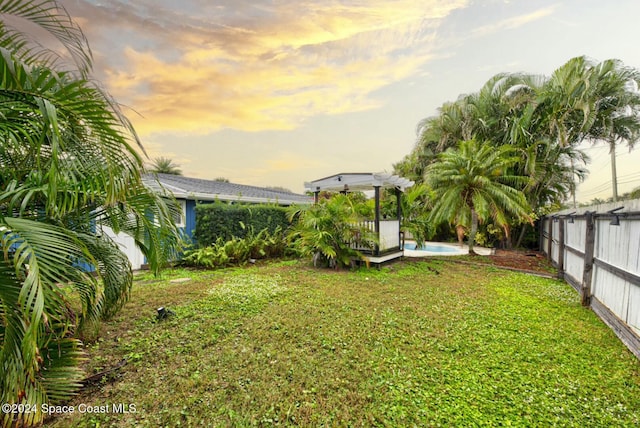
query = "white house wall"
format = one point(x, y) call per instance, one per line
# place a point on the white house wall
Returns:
point(128, 246)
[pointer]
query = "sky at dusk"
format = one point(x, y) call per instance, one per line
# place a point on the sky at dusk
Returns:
point(279, 92)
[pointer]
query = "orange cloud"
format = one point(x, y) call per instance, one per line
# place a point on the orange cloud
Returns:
point(300, 60)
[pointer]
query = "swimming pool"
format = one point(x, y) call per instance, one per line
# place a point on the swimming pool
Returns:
point(432, 248)
point(441, 249)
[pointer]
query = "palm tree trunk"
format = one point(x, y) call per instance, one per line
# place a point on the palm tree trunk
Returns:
point(460, 234)
point(474, 229)
point(573, 184)
point(614, 174)
point(521, 235)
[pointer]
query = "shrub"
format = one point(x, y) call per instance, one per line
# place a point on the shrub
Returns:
point(238, 251)
point(219, 220)
point(328, 230)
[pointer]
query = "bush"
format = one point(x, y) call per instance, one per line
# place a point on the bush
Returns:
point(219, 220)
point(328, 230)
point(238, 251)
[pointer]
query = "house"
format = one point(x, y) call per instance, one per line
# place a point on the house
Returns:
point(191, 191)
point(390, 237)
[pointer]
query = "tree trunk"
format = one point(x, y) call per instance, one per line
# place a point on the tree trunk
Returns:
point(573, 184)
point(521, 236)
point(507, 236)
point(472, 233)
point(614, 175)
point(460, 233)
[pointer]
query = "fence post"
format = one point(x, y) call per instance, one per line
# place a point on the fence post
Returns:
point(541, 233)
point(550, 239)
point(561, 249)
point(588, 259)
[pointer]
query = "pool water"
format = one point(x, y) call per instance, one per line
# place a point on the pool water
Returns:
point(431, 248)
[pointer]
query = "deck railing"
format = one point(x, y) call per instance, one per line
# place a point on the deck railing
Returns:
point(389, 237)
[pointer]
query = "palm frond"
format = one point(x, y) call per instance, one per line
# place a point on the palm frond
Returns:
point(50, 16)
point(38, 260)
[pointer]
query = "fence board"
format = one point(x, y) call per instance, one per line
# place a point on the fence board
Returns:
point(633, 313)
point(627, 335)
point(601, 261)
point(574, 265)
point(576, 233)
point(611, 291)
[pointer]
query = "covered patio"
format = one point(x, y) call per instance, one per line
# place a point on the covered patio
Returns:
point(388, 231)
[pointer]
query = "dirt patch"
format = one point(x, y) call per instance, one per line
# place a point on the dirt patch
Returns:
point(533, 261)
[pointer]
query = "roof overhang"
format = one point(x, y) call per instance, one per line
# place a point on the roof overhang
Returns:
point(212, 197)
point(178, 193)
point(351, 181)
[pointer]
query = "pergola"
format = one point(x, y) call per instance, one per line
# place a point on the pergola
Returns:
point(388, 231)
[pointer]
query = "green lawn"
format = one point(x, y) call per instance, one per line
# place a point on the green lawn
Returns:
point(416, 343)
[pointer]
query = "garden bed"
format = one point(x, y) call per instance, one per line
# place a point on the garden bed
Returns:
point(533, 261)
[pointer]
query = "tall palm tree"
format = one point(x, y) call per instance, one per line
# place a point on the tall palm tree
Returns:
point(616, 109)
point(507, 110)
point(593, 101)
point(475, 178)
point(162, 165)
point(68, 166)
point(565, 101)
point(565, 108)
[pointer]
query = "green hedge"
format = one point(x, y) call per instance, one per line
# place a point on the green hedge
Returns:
point(225, 221)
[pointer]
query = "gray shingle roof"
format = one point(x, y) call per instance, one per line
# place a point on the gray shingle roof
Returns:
point(209, 190)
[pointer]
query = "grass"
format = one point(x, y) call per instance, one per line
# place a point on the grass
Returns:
point(428, 343)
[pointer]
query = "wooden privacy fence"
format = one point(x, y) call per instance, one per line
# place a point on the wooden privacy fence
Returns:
point(597, 250)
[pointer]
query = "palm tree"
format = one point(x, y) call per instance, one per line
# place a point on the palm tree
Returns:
point(592, 101)
point(162, 165)
point(616, 109)
point(328, 229)
point(68, 166)
point(565, 109)
point(475, 178)
point(416, 204)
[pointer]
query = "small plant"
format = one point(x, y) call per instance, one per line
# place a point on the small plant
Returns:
point(238, 251)
point(330, 231)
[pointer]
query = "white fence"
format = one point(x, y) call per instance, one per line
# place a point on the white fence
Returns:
point(597, 250)
point(388, 236)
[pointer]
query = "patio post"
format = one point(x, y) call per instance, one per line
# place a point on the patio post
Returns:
point(399, 213)
point(377, 218)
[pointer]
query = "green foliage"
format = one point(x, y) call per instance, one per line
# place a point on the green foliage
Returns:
point(416, 203)
point(68, 166)
point(162, 165)
point(475, 179)
point(544, 118)
point(332, 230)
point(426, 344)
point(238, 251)
point(223, 221)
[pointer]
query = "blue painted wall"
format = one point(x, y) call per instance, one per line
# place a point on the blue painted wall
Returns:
point(190, 218)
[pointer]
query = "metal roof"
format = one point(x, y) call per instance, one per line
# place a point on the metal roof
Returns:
point(212, 190)
point(350, 181)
